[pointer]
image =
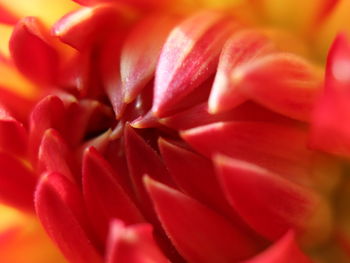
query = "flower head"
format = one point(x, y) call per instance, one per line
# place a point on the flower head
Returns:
point(175, 131)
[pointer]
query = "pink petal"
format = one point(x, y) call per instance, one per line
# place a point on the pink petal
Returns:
point(282, 82)
point(281, 148)
point(330, 129)
point(104, 197)
point(189, 57)
point(17, 183)
point(59, 207)
point(132, 244)
point(13, 135)
point(32, 51)
point(271, 204)
point(199, 234)
point(141, 51)
point(241, 48)
point(88, 25)
point(285, 250)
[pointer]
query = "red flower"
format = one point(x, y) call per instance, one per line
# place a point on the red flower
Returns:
point(150, 132)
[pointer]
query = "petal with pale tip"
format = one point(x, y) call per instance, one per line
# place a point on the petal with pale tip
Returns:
point(241, 48)
point(55, 155)
point(282, 82)
point(330, 128)
point(33, 53)
point(198, 115)
point(59, 205)
point(189, 57)
point(284, 250)
point(88, 25)
point(47, 113)
point(279, 147)
point(105, 199)
point(199, 234)
point(141, 51)
point(132, 244)
point(271, 204)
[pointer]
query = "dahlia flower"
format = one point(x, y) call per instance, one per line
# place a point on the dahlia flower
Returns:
point(174, 131)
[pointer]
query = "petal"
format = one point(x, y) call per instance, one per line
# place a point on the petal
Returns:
point(141, 51)
point(198, 115)
point(32, 51)
point(104, 197)
point(292, 93)
point(285, 250)
point(88, 25)
point(142, 159)
point(48, 113)
point(330, 129)
point(55, 156)
point(132, 244)
point(241, 48)
point(271, 204)
point(7, 17)
point(281, 148)
point(194, 175)
point(110, 72)
point(13, 135)
point(199, 234)
point(188, 58)
point(58, 205)
point(17, 183)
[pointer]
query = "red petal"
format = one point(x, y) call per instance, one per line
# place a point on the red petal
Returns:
point(6, 17)
point(32, 52)
point(110, 72)
point(48, 113)
point(55, 156)
point(188, 58)
point(132, 244)
point(331, 129)
point(285, 250)
point(292, 93)
point(279, 148)
point(271, 204)
point(241, 48)
point(198, 233)
point(17, 183)
point(198, 115)
point(142, 159)
point(104, 197)
point(195, 175)
point(141, 51)
point(58, 205)
point(88, 25)
point(13, 135)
